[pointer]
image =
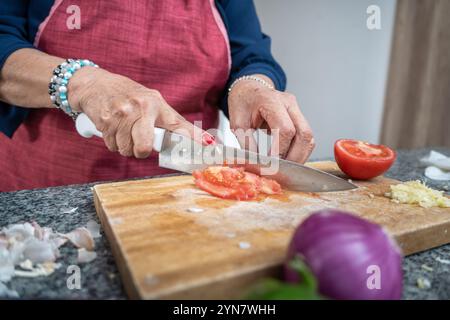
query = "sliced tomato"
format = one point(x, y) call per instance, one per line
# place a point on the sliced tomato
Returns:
point(251, 179)
point(216, 190)
point(225, 182)
point(234, 183)
point(269, 186)
point(197, 174)
point(224, 176)
point(240, 193)
point(362, 160)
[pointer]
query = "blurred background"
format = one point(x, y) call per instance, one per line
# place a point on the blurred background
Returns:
point(386, 85)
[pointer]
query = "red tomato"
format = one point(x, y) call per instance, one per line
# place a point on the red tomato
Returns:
point(216, 190)
point(362, 160)
point(269, 186)
point(234, 183)
point(224, 176)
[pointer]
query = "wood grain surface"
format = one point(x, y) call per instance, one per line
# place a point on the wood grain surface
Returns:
point(163, 250)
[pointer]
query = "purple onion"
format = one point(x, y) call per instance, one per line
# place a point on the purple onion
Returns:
point(347, 255)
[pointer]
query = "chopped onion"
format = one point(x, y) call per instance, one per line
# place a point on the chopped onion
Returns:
point(351, 258)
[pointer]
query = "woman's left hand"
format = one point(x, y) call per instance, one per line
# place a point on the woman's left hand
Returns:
point(252, 106)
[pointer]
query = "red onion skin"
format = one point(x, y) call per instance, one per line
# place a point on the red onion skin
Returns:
point(338, 247)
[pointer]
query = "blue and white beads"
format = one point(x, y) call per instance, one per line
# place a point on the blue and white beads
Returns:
point(60, 80)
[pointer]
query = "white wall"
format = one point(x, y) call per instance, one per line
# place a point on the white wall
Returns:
point(335, 66)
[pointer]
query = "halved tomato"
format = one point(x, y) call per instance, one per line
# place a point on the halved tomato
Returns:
point(234, 183)
point(362, 160)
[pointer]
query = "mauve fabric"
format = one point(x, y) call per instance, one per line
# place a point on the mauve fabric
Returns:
point(250, 47)
point(173, 46)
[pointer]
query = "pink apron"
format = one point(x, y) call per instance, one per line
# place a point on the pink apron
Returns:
point(178, 47)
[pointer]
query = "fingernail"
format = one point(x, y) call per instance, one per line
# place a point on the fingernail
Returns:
point(208, 139)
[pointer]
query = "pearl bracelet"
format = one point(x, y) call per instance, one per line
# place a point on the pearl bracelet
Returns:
point(254, 78)
point(59, 82)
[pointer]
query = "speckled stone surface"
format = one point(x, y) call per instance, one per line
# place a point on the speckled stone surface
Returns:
point(100, 278)
point(406, 168)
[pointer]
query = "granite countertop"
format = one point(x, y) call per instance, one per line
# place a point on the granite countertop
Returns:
point(100, 278)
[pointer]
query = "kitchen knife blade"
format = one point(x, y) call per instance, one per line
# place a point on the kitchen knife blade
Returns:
point(183, 154)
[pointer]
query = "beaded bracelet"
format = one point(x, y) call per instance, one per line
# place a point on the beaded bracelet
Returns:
point(254, 78)
point(60, 81)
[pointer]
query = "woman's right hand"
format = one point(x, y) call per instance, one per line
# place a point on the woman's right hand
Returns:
point(126, 112)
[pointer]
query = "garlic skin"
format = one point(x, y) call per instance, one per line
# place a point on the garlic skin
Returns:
point(81, 238)
point(94, 229)
point(85, 256)
point(29, 250)
point(436, 159)
point(434, 173)
point(437, 166)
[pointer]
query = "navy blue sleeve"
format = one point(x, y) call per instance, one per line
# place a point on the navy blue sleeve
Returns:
point(13, 27)
point(250, 48)
point(13, 36)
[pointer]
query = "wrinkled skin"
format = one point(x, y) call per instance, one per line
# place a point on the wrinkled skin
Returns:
point(253, 105)
point(125, 111)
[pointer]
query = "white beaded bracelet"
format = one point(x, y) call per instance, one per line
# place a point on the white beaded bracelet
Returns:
point(254, 78)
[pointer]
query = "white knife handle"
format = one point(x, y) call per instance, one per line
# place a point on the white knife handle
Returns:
point(86, 128)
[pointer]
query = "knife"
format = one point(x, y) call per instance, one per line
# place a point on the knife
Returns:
point(183, 154)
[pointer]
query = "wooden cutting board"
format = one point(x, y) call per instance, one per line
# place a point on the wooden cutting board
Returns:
point(165, 251)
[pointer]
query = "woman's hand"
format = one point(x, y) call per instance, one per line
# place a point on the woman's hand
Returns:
point(126, 112)
point(252, 105)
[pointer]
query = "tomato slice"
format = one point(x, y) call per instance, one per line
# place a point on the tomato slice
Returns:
point(362, 160)
point(269, 186)
point(234, 183)
point(224, 176)
point(216, 190)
